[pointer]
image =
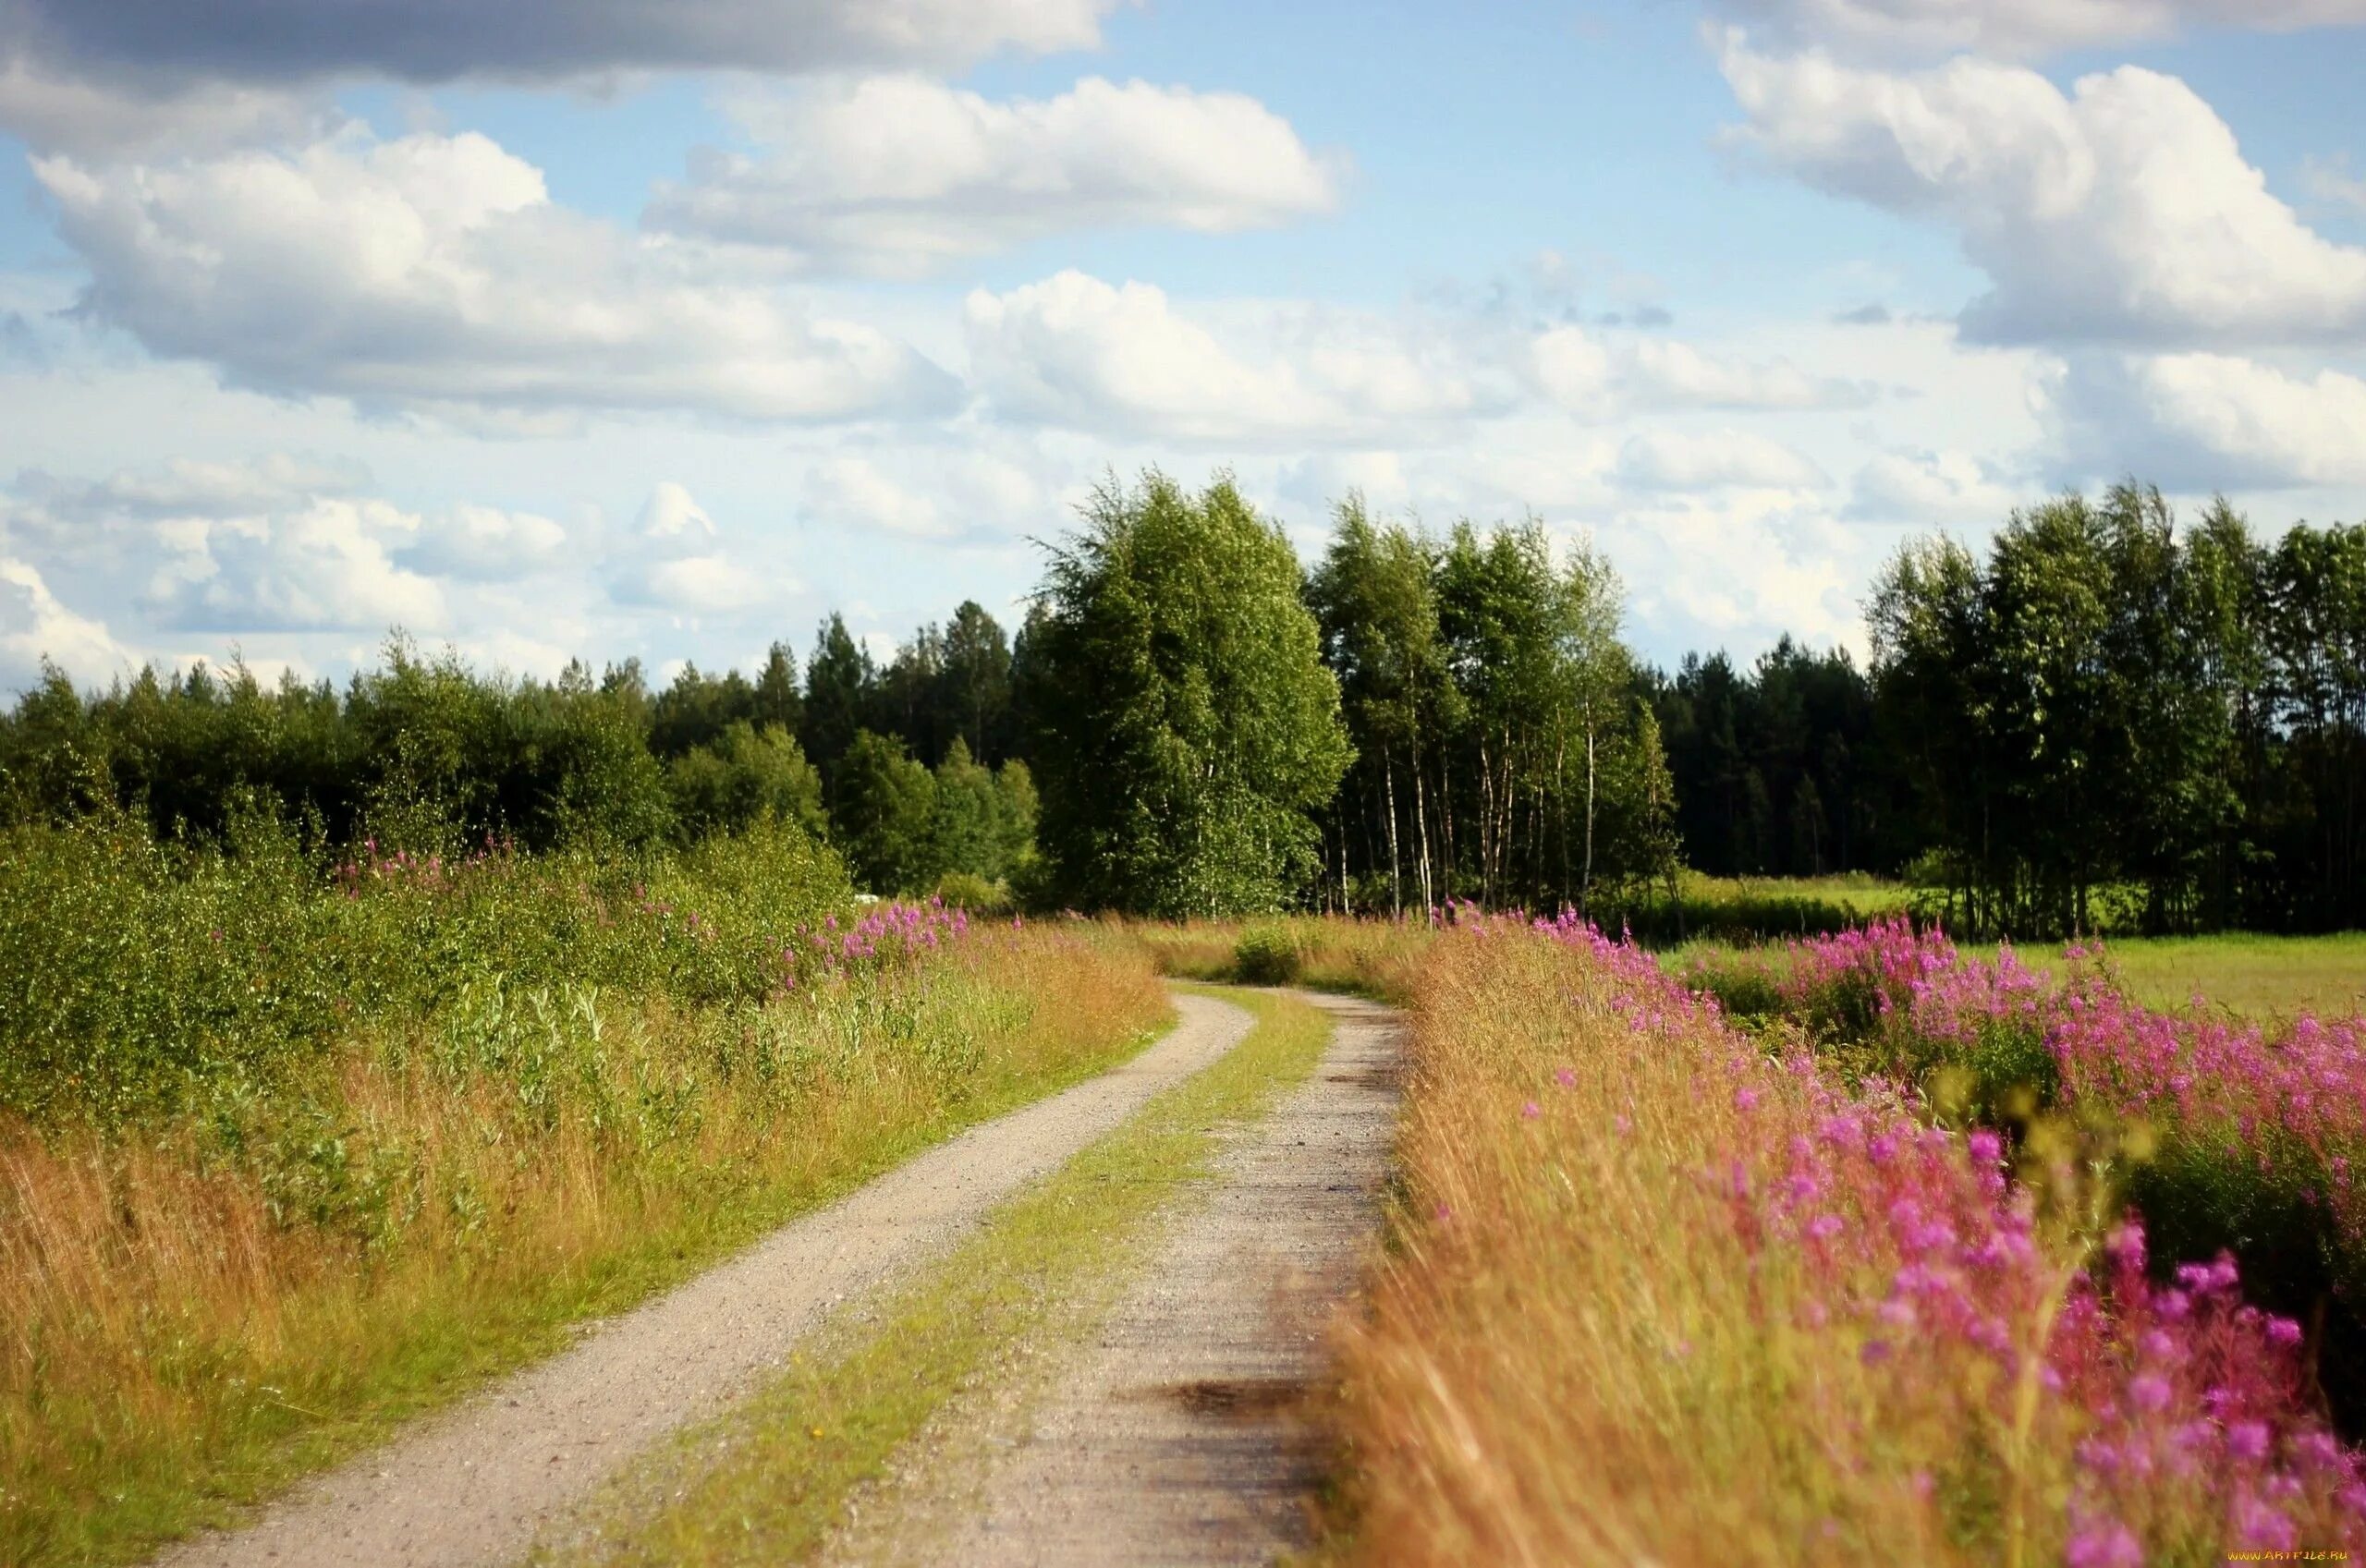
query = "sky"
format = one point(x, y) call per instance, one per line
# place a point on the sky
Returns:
point(664, 328)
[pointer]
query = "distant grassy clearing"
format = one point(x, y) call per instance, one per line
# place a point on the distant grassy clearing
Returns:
point(1871, 894)
point(2256, 975)
point(2250, 975)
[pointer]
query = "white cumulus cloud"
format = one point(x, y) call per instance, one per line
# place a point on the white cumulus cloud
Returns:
point(2122, 211)
point(1599, 377)
point(898, 174)
point(486, 544)
point(679, 560)
point(1076, 352)
point(328, 565)
point(2211, 422)
point(432, 272)
point(1931, 490)
point(34, 626)
point(1725, 459)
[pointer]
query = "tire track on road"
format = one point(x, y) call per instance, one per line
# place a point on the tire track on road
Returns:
point(473, 1486)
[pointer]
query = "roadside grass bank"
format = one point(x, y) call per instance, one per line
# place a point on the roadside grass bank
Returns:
point(141, 980)
point(2227, 1135)
point(768, 1482)
point(1658, 1293)
point(270, 1259)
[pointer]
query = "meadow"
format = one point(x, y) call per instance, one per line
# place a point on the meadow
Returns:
point(293, 1148)
point(1842, 1242)
point(1853, 1247)
point(1792, 1300)
point(2257, 977)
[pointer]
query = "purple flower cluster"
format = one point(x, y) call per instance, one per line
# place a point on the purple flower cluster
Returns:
point(886, 933)
point(2180, 1409)
point(2291, 1101)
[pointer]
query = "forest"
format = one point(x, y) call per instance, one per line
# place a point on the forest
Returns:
point(2106, 719)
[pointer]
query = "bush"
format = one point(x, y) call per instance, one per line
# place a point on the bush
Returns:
point(975, 894)
point(1745, 989)
point(134, 974)
point(1266, 955)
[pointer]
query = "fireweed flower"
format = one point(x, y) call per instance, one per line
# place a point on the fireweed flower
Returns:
point(2169, 1405)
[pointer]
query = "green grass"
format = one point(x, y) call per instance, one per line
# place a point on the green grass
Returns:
point(2251, 976)
point(1871, 894)
point(146, 1389)
point(767, 1483)
point(2259, 977)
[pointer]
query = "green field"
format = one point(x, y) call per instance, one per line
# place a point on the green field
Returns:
point(2245, 974)
point(2256, 975)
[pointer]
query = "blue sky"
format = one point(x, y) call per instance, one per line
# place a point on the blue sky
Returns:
point(664, 329)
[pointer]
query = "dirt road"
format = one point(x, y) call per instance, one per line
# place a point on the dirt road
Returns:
point(1179, 1438)
point(471, 1487)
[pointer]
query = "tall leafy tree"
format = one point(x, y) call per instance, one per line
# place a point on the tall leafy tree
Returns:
point(1375, 599)
point(1186, 728)
point(745, 776)
point(779, 701)
point(975, 700)
point(2114, 720)
point(882, 814)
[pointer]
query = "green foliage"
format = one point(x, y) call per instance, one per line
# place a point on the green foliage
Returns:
point(962, 890)
point(885, 812)
point(2107, 702)
point(744, 775)
point(423, 754)
point(1775, 768)
point(1501, 752)
point(841, 683)
point(134, 974)
point(1185, 726)
point(1267, 954)
point(697, 709)
point(964, 830)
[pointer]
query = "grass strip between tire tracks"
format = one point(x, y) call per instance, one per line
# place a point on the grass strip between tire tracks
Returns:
point(767, 1482)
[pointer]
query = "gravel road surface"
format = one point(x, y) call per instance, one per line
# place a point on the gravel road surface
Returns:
point(1179, 1438)
point(471, 1486)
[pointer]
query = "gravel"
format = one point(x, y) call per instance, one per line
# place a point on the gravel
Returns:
point(474, 1484)
point(1183, 1437)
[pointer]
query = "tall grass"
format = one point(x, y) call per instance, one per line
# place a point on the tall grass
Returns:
point(1369, 957)
point(402, 1124)
point(2248, 1131)
point(1660, 1296)
point(135, 975)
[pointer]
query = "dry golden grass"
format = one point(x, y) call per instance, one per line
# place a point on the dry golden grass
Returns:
point(185, 1322)
point(1369, 957)
point(1591, 1342)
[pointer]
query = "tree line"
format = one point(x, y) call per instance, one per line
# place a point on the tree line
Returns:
point(2112, 720)
point(908, 768)
point(2104, 719)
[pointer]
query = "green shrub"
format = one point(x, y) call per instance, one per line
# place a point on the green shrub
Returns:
point(1745, 989)
point(975, 894)
point(1266, 955)
point(134, 974)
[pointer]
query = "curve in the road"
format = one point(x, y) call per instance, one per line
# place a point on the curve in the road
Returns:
point(473, 1485)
